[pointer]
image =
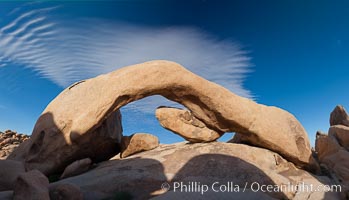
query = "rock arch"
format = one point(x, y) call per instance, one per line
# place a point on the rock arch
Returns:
point(84, 106)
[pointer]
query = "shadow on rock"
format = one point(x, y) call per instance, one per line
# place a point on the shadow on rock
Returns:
point(151, 173)
point(134, 178)
point(221, 176)
point(50, 151)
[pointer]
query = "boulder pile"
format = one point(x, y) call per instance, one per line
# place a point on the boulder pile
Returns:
point(332, 148)
point(9, 141)
point(78, 151)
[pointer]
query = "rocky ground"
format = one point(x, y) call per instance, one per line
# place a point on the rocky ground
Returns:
point(9, 141)
point(77, 149)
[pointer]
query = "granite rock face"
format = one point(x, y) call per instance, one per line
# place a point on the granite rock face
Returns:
point(136, 143)
point(326, 145)
point(341, 133)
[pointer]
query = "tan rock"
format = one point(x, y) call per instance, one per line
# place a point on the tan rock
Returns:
point(10, 147)
point(335, 158)
point(81, 108)
point(77, 167)
point(7, 150)
point(32, 185)
point(183, 123)
point(9, 171)
point(7, 141)
point(338, 163)
point(20, 151)
point(65, 192)
point(339, 116)
point(326, 145)
point(10, 138)
point(9, 133)
point(318, 192)
point(3, 155)
point(142, 175)
point(50, 150)
point(341, 133)
point(138, 142)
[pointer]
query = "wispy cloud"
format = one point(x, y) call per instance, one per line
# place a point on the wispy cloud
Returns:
point(65, 51)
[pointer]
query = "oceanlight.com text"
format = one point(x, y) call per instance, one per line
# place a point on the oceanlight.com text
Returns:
point(197, 187)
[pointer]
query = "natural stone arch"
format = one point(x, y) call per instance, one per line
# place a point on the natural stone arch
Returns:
point(84, 106)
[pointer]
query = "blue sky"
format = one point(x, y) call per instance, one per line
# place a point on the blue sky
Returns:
point(289, 54)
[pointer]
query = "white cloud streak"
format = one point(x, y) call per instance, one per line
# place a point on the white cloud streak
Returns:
point(64, 51)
